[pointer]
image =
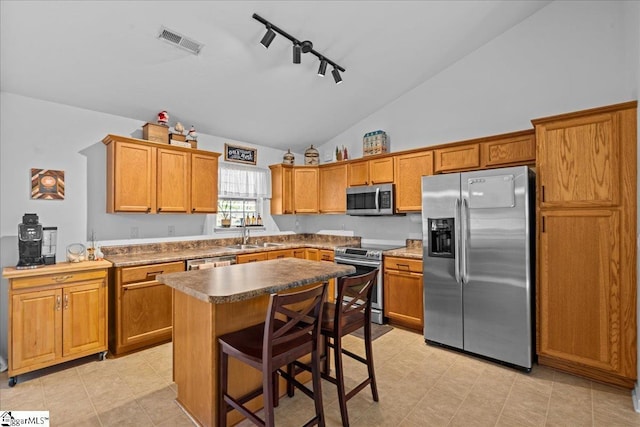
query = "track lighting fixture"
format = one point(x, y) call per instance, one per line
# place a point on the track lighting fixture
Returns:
point(268, 37)
point(299, 48)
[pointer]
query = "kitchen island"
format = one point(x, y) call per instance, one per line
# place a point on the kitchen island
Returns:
point(210, 303)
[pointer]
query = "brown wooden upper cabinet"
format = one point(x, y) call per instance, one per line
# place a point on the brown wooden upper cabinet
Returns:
point(204, 169)
point(410, 168)
point(510, 149)
point(578, 160)
point(305, 184)
point(333, 184)
point(370, 172)
point(457, 158)
point(281, 189)
point(148, 177)
point(173, 181)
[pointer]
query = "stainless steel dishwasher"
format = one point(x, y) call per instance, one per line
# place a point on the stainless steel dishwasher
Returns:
point(202, 263)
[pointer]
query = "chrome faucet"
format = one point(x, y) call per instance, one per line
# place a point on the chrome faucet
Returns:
point(245, 234)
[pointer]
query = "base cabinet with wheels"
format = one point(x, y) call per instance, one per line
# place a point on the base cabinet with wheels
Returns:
point(403, 295)
point(141, 307)
point(57, 313)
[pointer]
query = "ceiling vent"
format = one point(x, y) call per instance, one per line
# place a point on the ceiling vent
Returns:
point(179, 40)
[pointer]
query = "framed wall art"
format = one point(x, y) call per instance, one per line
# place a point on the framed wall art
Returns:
point(47, 184)
point(234, 153)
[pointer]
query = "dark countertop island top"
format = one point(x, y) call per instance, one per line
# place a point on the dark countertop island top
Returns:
point(241, 282)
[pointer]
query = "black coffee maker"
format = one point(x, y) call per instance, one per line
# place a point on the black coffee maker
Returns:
point(30, 242)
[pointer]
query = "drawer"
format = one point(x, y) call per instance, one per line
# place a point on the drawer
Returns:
point(57, 279)
point(149, 272)
point(326, 255)
point(403, 264)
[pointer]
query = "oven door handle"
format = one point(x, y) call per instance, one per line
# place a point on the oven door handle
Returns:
point(350, 261)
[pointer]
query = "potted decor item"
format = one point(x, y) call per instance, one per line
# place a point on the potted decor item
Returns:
point(224, 208)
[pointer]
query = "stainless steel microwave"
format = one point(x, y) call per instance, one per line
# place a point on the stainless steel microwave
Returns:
point(371, 200)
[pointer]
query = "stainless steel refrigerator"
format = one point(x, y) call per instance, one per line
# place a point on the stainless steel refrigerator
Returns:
point(478, 232)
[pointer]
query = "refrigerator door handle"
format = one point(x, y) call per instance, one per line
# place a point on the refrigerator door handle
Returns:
point(456, 220)
point(377, 198)
point(464, 217)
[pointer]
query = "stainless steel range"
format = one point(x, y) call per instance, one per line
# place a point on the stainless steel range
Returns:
point(365, 259)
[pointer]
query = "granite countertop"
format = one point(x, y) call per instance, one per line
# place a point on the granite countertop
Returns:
point(241, 282)
point(58, 268)
point(405, 253)
point(133, 255)
point(412, 250)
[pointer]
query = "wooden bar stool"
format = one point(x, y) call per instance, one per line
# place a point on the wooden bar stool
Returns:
point(291, 331)
point(339, 320)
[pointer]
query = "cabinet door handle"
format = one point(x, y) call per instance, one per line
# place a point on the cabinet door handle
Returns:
point(59, 279)
point(58, 303)
point(403, 267)
point(151, 275)
point(542, 193)
point(148, 210)
point(66, 301)
point(159, 209)
point(193, 209)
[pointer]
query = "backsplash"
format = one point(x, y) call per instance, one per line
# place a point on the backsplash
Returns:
point(212, 243)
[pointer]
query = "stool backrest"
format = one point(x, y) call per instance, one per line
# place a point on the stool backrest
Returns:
point(355, 294)
point(293, 319)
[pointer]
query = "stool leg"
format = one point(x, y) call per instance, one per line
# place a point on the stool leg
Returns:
point(327, 361)
point(317, 386)
point(342, 398)
point(267, 399)
point(290, 387)
point(222, 389)
point(276, 388)
point(368, 348)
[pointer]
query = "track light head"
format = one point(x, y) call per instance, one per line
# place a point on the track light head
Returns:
point(323, 67)
point(268, 37)
point(297, 52)
point(336, 76)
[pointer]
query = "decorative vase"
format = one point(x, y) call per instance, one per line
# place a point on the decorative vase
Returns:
point(288, 158)
point(225, 222)
point(311, 156)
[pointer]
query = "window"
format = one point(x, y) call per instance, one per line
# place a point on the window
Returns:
point(241, 190)
point(237, 210)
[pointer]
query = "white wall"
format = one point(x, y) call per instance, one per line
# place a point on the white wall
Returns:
point(40, 134)
point(566, 57)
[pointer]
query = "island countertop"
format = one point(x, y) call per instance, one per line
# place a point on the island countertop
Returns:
point(241, 282)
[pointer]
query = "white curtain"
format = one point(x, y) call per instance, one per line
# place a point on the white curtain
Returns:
point(243, 181)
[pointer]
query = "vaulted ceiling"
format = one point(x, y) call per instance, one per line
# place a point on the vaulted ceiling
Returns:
point(106, 56)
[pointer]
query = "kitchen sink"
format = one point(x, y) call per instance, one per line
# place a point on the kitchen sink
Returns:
point(242, 246)
point(270, 244)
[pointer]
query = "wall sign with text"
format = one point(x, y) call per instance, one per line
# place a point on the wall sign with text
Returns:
point(234, 153)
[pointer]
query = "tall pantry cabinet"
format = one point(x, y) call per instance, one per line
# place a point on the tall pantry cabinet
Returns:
point(586, 296)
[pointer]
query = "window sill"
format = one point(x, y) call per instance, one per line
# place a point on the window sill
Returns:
point(238, 228)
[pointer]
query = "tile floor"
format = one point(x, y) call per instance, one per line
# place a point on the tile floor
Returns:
point(419, 385)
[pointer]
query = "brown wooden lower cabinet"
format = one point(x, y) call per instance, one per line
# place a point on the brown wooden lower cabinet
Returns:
point(141, 307)
point(403, 293)
point(254, 257)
